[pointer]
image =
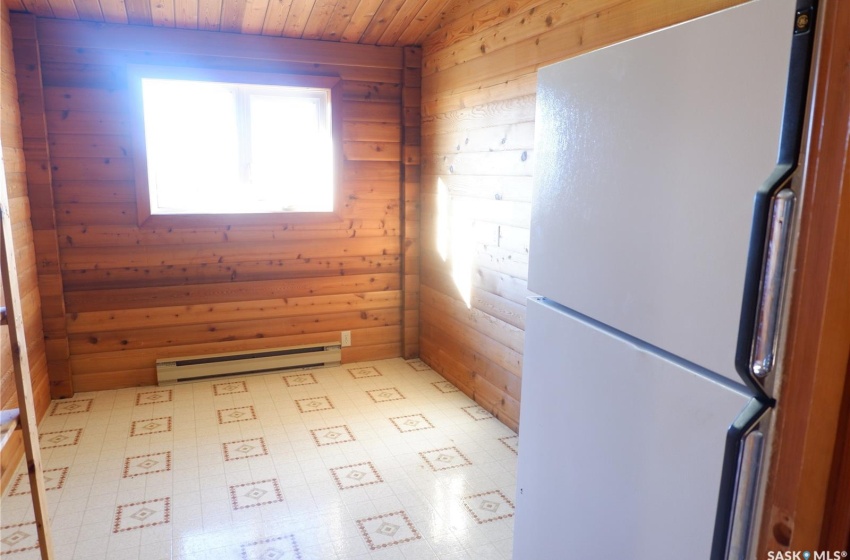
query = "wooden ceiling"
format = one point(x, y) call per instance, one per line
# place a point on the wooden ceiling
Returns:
point(370, 22)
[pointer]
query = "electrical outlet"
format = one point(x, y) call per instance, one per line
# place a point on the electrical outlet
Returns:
point(346, 338)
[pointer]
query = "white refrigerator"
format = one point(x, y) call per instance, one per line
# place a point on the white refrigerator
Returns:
point(662, 217)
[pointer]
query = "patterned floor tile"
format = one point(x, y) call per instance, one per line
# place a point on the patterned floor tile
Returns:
point(511, 442)
point(63, 438)
point(147, 464)
point(278, 548)
point(254, 494)
point(154, 397)
point(188, 505)
point(412, 423)
point(445, 458)
point(229, 388)
point(332, 435)
point(477, 412)
point(445, 387)
point(384, 395)
point(150, 426)
point(78, 406)
point(129, 517)
point(489, 506)
point(299, 379)
point(389, 529)
point(54, 479)
point(361, 372)
point(237, 414)
point(353, 476)
point(18, 538)
point(244, 449)
point(418, 365)
point(314, 404)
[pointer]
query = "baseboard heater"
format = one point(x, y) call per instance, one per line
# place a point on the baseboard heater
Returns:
point(195, 368)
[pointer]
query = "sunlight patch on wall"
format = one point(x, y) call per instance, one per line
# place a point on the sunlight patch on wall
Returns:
point(456, 238)
point(442, 220)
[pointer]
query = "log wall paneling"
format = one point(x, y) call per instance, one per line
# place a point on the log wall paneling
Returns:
point(37, 154)
point(132, 294)
point(411, 172)
point(15, 181)
point(478, 102)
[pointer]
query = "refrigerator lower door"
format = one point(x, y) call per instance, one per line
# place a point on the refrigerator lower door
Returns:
point(622, 449)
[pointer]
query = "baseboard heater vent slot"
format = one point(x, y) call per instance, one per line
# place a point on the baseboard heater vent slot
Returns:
point(196, 368)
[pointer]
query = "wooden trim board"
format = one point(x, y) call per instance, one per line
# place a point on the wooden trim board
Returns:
point(819, 330)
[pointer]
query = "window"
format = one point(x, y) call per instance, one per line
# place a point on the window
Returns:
point(224, 146)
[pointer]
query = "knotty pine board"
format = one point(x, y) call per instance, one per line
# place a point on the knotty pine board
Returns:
point(478, 107)
point(185, 289)
point(22, 240)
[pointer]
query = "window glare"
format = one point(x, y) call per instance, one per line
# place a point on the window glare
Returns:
point(237, 148)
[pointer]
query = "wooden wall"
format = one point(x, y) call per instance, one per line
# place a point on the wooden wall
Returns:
point(16, 189)
point(411, 95)
point(478, 104)
point(132, 294)
point(43, 216)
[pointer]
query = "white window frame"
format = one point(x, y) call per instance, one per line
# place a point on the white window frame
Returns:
point(245, 83)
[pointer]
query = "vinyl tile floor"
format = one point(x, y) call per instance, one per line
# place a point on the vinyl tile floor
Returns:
point(377, 460)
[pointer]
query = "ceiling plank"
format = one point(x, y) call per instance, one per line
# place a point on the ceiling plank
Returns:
point(360, 19)
point(162, 13)
point(232, 13)
point(276, 14)
point(339, 19)
point(401, 21)
point(138, 12)
point(255, 16)
point(209, 15)
point(299, 13)
point(64, 9)
point(185, 14)
point(426, 19)
point(370, 22)
point(114, 11)
point(318, 20)
point(90, 10)
point(40, 8)
point(383, 17)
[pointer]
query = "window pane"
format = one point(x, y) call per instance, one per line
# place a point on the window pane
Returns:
point(290, 152)
point(237, 148)
point(192, 144)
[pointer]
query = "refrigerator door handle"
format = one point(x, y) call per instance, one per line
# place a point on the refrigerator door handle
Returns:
point(746, 490)
point(768, 313)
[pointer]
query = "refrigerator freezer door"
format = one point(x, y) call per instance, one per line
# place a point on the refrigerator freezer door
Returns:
point(649, 155)
point(621, 449)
